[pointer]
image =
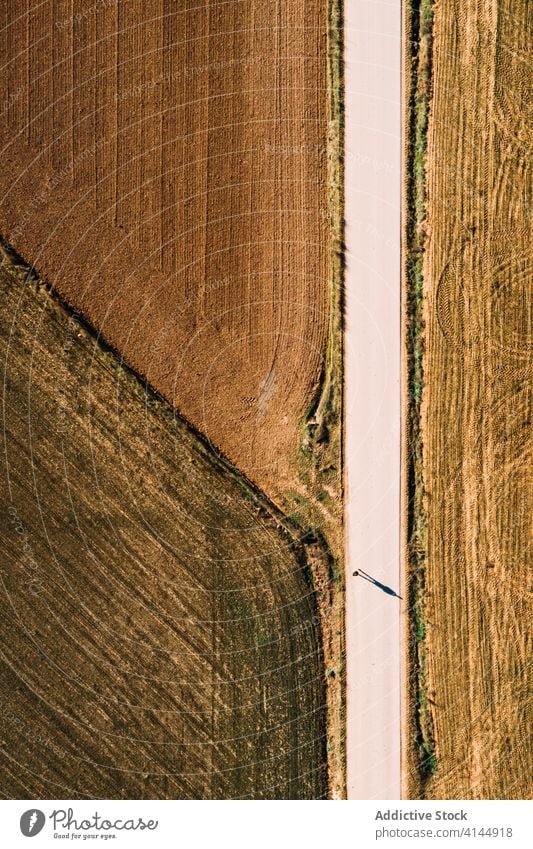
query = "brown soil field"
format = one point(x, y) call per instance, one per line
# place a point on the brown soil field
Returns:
point(469, 278)
point(160, 634)
point(166, 170)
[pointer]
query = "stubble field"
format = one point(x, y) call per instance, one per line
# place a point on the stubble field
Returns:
point(469, 276)
point(160, 633)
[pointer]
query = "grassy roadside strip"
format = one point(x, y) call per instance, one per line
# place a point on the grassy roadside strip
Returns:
point(319, 503)
point(322, 426)
point(418, 38)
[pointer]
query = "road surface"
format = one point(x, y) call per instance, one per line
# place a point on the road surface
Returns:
point(373, 139)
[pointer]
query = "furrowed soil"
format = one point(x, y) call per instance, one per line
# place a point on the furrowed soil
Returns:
point(160, 635)
point(470, 314)
point(166, 170)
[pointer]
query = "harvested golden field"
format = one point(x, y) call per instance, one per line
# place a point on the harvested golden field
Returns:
point(160, 635)
point(166, 172)
point(469, 277)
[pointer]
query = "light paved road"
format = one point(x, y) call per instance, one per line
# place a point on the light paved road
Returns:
point(373, 115)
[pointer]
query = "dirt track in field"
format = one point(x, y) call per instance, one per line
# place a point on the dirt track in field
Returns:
point(166, 171)
point(160, 638)
point(476, 405)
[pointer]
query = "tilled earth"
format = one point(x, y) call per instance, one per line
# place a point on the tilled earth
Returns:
point(165, 168)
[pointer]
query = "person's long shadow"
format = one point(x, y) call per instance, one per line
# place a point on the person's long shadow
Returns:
point(381, 586)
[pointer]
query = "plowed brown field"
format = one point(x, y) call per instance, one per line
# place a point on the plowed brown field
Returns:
point(473, 714)
point(160, 637)
point(166, 171)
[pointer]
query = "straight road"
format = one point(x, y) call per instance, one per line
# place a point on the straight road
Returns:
point(372, 183)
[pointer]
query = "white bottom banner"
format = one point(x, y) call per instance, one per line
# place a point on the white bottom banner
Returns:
point(258, 825)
